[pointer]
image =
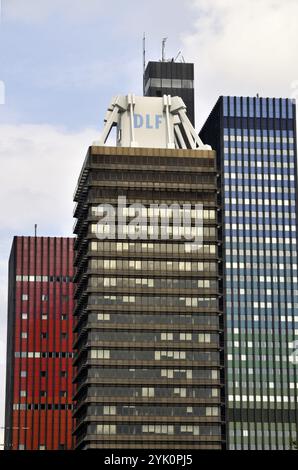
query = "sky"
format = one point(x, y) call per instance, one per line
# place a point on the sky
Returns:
point(61, 62)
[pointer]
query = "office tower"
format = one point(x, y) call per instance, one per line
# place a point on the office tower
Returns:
point(255, 141)
point(147, 321)
point(38, 412)
point(171, 78)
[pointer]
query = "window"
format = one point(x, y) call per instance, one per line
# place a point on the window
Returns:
point(23, 393)
point(62, 393)
point(185, 336)
point(43, 393)
point(109, 410)
point(212, 411)
point(100, 354)
point(63, 316)
point(24, 335)
point(63, 373)
point(44, 297)
point(24, 316)
point(42, 447)
point(103, 316)
point(204, 338)
point(166, 336)
point(25, 296)
point(147, 392)
point(106, 429)
point(23, 373)
point(43, 335)
point(43, 373)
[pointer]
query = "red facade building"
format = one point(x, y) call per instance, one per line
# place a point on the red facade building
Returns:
point(38, 414)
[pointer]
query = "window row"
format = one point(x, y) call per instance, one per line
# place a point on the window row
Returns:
point(154, 177)
point(274, 152)
point(43, 393)
point(44, 316)
point(165, 429)
point(43, 297)
point(157, 283)
point(147, 336)
point(152, 373)
point(146, 319)
point(152, 355)
point(165, 301)
point(169, 83)
point(153, 160)
point(263, 398)
point(36, 278)
point(272, 133)
point(274, 108)
point(35, 354)
point(43, 335)
point(43, 373)
point(143, 410)
point(151, 392)
point(259, 148)
point(41, 406)
point(253, 138)
point(159, 210)
point(154, 232)
point(140, 247)
point(151, 265)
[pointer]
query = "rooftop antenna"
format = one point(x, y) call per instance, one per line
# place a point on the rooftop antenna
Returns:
point(144, 52)
point(144, 61)
point(163, 48)
point(35, 230)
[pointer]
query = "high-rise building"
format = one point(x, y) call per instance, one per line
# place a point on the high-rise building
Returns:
point(148, 315)
point(38, 412)
point(171, 78)
point(255, 141)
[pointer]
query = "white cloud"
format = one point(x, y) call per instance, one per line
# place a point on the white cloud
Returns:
point(243, 48)
point(39, 168)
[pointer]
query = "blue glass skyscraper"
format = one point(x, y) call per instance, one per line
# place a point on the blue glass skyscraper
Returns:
point(255, 140)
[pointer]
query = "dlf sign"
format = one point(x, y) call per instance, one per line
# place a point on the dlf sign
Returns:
point(147, 121)
point(144, 123)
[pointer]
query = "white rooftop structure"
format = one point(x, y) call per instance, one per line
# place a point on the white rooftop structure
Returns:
point(153, 122)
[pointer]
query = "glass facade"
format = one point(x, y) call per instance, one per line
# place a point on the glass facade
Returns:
point(255, 139)
point(148, 316)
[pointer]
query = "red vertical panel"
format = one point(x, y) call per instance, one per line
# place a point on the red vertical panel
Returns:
point(50, 427)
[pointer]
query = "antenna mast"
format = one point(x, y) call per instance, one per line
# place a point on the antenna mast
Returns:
point(144, 52)
point(144, 61)
point(163, 48)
